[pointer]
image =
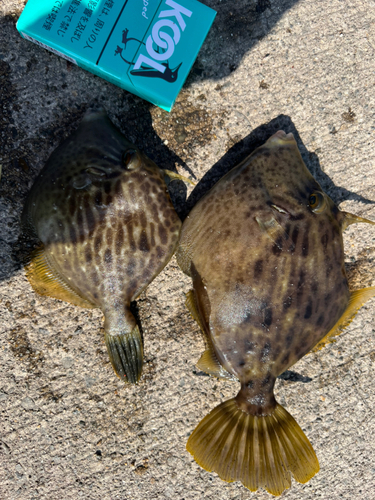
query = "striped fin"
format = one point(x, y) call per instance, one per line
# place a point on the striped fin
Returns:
point(353, 219)
point(193, 310)
point(175, 176)
point(46, 281)
point(208, 362)
point(357, 299)
point(259, 451)
point(125, 351)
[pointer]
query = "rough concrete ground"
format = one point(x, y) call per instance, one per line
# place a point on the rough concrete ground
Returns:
point(68, 428)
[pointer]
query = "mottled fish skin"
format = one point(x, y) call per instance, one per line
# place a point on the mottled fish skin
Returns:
point(265, 252)
point(266, 303)
point(101, 209)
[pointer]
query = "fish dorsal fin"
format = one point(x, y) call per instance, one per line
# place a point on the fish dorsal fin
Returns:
point(208, 362)
point(276, 233)
point(175, 176)
point(353, 219)
point(357, 299)
point(46, 281)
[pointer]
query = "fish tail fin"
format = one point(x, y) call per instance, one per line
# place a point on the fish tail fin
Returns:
point(125, 350)
point(259, 451)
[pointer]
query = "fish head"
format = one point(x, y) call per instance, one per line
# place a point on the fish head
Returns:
point(282, 181)
point(99, 150)
point(286, 186)
point(99, 171)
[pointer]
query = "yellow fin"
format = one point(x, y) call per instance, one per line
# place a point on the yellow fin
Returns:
point(175, 176)
point(276, 233)
point(353, 219)
point(125, 351)
point(357, 299)
point(259, 451)
point(45, 281)
point(192, 306)
point(209, 363)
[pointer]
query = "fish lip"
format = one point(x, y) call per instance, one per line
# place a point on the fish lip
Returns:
point(281, 137)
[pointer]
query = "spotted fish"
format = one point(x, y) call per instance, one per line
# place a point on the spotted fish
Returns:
point(106, 226)
point(265, 252)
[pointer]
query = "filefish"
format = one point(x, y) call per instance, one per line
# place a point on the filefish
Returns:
point(106, 226)
point(264, 250)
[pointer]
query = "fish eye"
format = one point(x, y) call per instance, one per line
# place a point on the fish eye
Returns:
point(317, 202)
point(128, 156)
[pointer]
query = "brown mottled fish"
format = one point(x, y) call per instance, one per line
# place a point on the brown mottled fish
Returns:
point(265, 252)
point(107, 227)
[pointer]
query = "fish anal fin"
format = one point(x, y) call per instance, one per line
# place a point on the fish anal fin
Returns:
point(260, 451)
point(276, 233)
point(45, 280)
point(191, 304)
point(357, 299)
point(209, 364)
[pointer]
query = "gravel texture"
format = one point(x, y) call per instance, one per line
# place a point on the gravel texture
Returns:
point(68, 428)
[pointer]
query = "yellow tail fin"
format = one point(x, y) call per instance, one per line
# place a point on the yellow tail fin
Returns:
point(259, 451)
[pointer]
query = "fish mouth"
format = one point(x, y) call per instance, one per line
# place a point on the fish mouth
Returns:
point(280, 137)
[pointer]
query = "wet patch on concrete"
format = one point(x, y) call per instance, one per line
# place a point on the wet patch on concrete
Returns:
point(188, 126)
point(23, 351)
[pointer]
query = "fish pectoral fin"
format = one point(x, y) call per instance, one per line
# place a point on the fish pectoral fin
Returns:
point(125, 351)
point(357, 299)
point(276, 233)
point(46, 281)
point(175, 176)
point(260, 451)
point(209, 364)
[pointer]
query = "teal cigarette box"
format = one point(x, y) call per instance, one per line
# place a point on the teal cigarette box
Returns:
point(144, 46)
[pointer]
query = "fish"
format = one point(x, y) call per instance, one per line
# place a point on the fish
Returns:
point(264, 249)
point(105, 226)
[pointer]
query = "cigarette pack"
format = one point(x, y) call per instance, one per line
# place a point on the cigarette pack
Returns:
point(144, 46)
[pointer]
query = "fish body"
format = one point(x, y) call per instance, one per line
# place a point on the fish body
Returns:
point(265, 253)
point(107, 227)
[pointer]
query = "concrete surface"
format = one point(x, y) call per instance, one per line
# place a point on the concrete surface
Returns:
point(68, 428)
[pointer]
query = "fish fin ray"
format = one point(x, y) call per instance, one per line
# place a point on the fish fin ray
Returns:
point(46, 281)
point(357, 299)
point(353, 219)
point(191, 304)
point(276, 233)
point(175, 176)
point(125, 352)
point(209, 364)
point(259, 451)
